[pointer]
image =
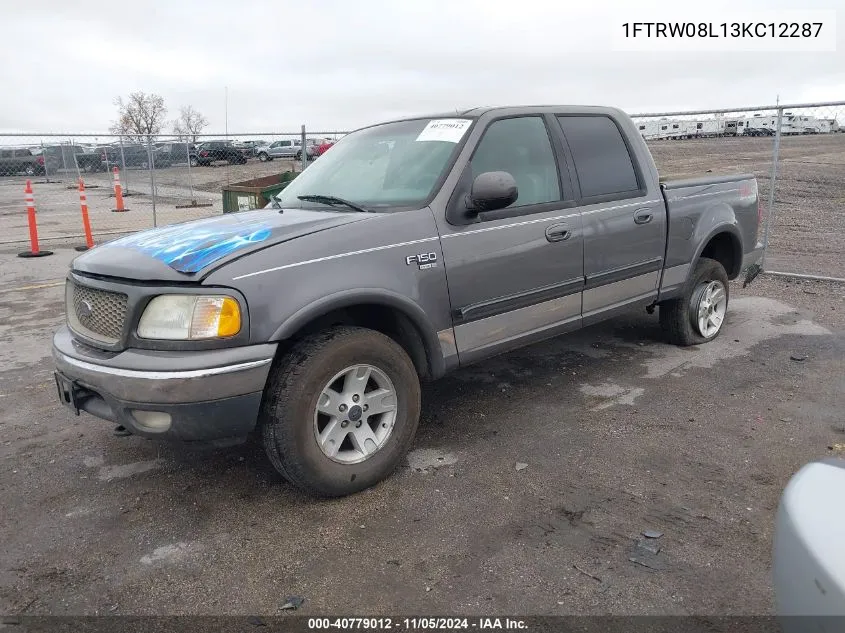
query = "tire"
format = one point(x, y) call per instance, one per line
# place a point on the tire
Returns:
point(290, 420)
point(30, 170)
point(194, 162)
point(263, 157)
point(298, 156)
point(681, 318)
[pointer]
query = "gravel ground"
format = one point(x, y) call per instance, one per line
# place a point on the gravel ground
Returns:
point(808, 229)
point(618, 433)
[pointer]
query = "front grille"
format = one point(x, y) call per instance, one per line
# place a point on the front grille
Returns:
point(96, 314)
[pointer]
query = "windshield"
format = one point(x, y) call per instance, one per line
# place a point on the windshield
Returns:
point(390, 165)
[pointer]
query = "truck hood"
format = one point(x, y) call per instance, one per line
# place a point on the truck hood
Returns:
point(182, 252)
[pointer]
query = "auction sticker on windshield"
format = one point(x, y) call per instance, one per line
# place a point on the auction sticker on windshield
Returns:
point(450, 130)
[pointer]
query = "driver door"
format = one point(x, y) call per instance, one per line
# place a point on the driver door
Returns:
point(516, 274)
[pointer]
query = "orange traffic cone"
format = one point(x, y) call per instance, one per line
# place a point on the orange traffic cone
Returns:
point(118, 192)
point(33, 251)
point(86, 223)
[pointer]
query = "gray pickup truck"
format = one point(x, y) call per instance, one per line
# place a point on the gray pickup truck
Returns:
point(411, 249)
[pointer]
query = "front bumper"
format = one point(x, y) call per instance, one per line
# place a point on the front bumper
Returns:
point(208, 395)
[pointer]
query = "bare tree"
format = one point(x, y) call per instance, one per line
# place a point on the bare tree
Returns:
point(189, 125)
point(140, 116)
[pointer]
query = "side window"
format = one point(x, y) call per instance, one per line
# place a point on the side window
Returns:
point(284, 143)
point(521, 147)
point(602, 161)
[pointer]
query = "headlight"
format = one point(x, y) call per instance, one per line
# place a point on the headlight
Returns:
point(190, 317)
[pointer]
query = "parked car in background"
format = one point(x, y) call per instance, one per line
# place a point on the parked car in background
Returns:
point(57, 157)
point(132, 155)
point(286, 148)
point(759, 131)
point(311, 146)
point(323, 147)
point(209, 152)
point(251, 146)
point(14, 161)
point(91, 159)
point(207, 330)
point(174, 153)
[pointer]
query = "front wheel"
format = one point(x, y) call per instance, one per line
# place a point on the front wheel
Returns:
point(263, 157)
point(340, 411)
point(698, 315)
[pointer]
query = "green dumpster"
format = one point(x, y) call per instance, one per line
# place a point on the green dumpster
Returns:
point(255, 193)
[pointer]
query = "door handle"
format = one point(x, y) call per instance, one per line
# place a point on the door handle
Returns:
point(643, 216)
point(558, 233)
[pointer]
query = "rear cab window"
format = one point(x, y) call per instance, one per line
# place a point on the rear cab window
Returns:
point(603, 163)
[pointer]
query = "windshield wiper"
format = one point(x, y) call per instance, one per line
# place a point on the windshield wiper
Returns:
point(333, 201)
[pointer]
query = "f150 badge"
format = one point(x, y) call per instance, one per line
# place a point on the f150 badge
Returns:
point(423, 260)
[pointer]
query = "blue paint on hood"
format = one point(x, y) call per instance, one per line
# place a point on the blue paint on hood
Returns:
point(190, 247)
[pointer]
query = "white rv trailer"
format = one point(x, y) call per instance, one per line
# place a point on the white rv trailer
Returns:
point(799, 124)
point(759, 121)
point(648, 129)
point(832, 125)
point(708, 127)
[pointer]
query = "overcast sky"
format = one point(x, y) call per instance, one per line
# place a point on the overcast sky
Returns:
point(339, 64)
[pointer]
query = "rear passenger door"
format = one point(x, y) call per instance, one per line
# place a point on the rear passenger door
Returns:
point(624, 223)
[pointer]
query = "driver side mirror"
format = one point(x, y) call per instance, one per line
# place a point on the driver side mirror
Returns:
point(492, 190)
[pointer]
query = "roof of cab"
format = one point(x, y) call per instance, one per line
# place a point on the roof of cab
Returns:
point(505, 111)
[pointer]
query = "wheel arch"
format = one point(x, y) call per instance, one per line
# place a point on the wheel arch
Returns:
point(389, 313)
point(723, 244)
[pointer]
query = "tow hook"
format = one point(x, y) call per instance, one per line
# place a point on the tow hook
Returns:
point(751, 274)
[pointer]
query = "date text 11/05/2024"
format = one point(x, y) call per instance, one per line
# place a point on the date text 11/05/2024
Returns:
point(418, 624)
point(724, 30)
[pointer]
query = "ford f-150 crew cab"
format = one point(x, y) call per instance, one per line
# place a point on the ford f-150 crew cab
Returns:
point(409, 250)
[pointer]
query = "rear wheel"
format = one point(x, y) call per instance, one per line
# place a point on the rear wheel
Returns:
point(699, 314)
point(340, 411)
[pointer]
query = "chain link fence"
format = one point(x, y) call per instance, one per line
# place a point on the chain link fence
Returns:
point(164, 179)
point(797, 153)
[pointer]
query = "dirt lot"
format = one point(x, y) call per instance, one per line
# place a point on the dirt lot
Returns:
point(808, 234)
point(619, 433)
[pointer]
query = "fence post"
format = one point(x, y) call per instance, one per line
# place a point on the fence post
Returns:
point(304, 150)
point(772, 184)
point(75, 162)
point(64, 160)
point(44, 158)
point(151, 166)
point(190, 176)
point(123, 166)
